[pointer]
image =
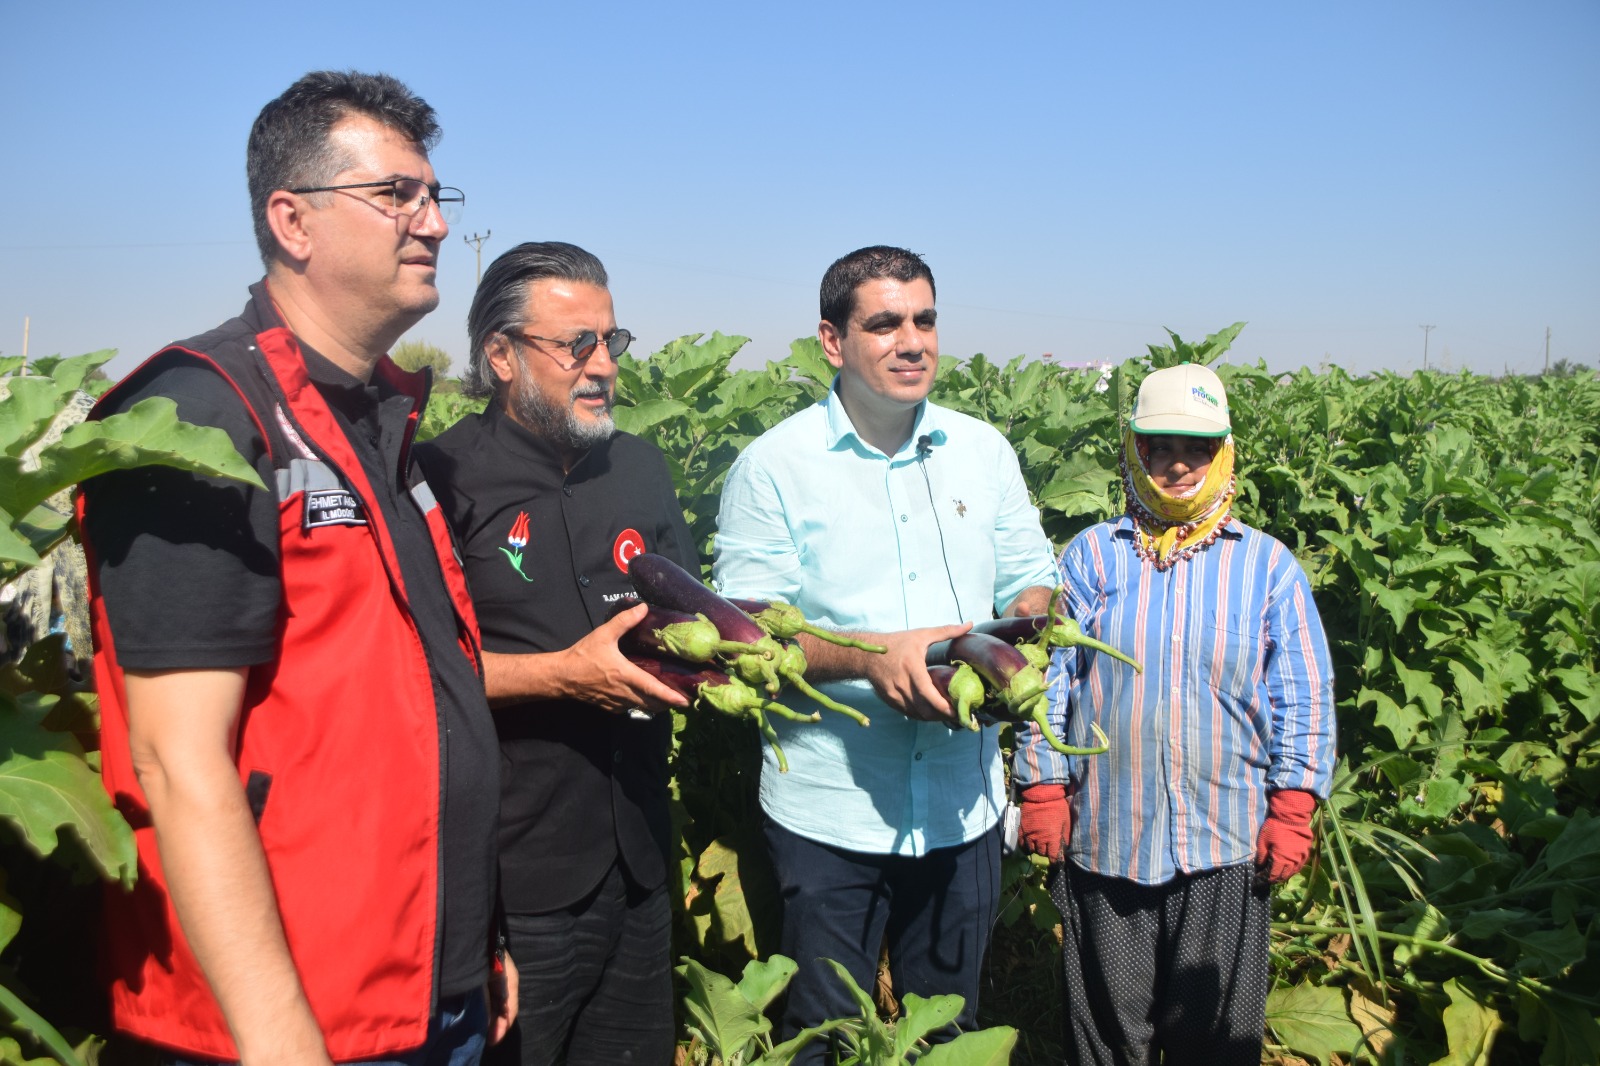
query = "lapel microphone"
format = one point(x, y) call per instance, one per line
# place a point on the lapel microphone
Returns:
point(924, 446)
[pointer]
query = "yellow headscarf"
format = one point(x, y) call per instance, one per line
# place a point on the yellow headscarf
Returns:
point(1172, 528)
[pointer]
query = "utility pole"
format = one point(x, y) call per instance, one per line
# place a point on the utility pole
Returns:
point(1425, 331)
point(476, 240)
point(1547, 349)
point(26, 321)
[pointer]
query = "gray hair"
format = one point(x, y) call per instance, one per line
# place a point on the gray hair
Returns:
point(500, 304)
point(289, 146)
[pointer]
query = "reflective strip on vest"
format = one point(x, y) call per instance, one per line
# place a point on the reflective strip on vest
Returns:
point(423, 495)
point(305, 475)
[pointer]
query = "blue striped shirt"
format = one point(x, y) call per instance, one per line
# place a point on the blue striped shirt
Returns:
point(859, 540)
point(1236, 700)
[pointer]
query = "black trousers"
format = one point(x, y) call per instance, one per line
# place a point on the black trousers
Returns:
point(936, 911)
point(1171, 974)
point(595, 981)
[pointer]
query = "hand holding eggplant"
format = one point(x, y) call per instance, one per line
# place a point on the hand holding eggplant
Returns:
point(596, 671)
point(900, 675)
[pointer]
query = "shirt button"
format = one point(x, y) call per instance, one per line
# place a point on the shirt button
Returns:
point(903, 518)
point(583, 579)
point(616, 756)
point(913, 577)
point(566, 490)
point(919, 756)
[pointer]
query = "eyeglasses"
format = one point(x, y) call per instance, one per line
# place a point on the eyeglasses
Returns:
point(408, 195)
point(582, 346)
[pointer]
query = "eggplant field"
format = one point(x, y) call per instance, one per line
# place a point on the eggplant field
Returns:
point(1451, 911)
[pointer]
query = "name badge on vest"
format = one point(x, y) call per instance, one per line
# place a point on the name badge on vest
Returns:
point(332, 507)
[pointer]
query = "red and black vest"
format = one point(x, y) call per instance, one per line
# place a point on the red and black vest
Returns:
point(339, 747)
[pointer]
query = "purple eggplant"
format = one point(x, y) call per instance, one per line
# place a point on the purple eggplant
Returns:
point(663, 583)
point(1005, 670)
point(1017, 687)
point(683, 636)
point(962, 688)
point(1038, 630)
point(784, 621)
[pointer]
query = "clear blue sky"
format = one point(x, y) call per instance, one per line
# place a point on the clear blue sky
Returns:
point(1078, 175)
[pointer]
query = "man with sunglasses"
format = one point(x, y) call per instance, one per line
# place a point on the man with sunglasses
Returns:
point(549, 503)
point(293, 714)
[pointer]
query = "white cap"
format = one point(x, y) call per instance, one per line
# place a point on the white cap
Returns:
point(1187, 400)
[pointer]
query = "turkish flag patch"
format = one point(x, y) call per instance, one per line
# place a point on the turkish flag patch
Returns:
point(628, 544)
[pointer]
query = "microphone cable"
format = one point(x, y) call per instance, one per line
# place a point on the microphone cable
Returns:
point(925, 449)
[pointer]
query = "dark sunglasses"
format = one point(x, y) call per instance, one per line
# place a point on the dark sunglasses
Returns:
point(583, 345)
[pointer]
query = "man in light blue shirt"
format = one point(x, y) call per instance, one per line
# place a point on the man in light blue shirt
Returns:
point(880, 514)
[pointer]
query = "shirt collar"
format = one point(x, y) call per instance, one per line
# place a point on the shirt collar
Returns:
point(841, 432)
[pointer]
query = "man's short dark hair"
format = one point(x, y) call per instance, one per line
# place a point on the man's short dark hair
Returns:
point(847, 273)
point(289, 145)
point(500, 304)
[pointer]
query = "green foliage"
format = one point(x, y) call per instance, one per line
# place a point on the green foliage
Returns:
point(727, 1026)
point(414, 355)
point(445, 409)
point(1448, 525)
point(51, 799)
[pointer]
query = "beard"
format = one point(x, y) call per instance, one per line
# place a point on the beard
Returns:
point(559, 423)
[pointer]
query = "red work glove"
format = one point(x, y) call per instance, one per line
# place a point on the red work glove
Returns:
point(1046, 821)
point(1285, 841)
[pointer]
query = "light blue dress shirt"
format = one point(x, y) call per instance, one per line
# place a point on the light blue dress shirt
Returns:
point(859, 540)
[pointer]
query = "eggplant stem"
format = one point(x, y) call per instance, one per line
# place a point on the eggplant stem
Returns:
point(772, 738)
point(799, 682)
point(1051, 617)
point(842, 640)
point(1054, 741)
point(774, 707)
point(757, 669)
point(1090, 642)
point(733, 648)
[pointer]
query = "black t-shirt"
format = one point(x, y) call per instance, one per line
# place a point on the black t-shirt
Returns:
point(544, 554)
point(188, 569)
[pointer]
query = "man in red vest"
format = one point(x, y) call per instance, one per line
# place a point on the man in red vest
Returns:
point(280, 667)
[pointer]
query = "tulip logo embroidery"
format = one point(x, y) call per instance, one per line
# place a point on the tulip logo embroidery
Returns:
point(518, 539)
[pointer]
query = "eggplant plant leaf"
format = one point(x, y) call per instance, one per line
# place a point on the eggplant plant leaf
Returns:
point(1470, 1026)
point(1311, 1019)
point(986, 1047)
point(147, 433)
point(921, 1016)
point(46, 786)
point(642, 418)
point(725, 1020)
point(763, 981)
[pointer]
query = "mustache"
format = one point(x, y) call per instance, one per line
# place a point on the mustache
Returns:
point(592, 392)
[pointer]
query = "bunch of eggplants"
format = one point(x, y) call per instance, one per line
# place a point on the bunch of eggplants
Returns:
point(995, 673)
point(716, 654)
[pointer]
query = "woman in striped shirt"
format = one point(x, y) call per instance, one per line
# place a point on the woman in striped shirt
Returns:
point(1163, 848)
